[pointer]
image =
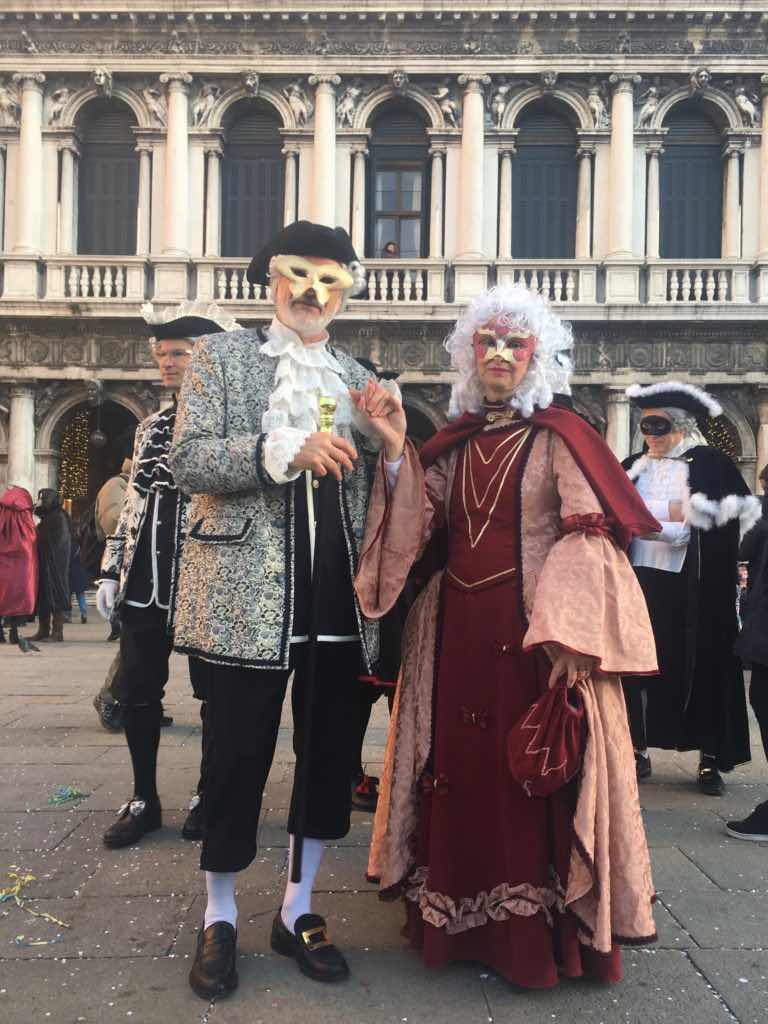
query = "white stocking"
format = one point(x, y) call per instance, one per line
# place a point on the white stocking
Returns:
point(298, 895)
point(221, 898)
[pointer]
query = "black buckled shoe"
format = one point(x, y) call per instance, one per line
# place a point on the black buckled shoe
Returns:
point(214, 972)
point(710, 780)
point(109, 712)
point(134, 820)
point(310, 947)
point(194, 826)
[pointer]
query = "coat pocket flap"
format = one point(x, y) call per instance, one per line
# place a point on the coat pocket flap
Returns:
point(221, 530)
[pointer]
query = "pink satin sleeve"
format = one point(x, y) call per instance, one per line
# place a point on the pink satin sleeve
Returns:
point(587, 596)
point(399, 524)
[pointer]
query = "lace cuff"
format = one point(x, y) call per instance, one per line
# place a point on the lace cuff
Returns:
point(280, 447)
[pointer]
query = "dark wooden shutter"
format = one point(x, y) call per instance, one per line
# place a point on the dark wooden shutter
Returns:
point(108, 190)
point(544, 172)
point(252, 182)
point(399, 148)
point(691, 185)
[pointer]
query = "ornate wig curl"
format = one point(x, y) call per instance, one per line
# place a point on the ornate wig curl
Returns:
point(516, 306)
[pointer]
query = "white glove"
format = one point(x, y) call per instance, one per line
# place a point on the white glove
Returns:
point(105, 598)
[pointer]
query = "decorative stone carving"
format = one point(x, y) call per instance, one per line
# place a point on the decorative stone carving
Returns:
point(499, 101)
point(203, 106)
point(155, 102)
point(345, 108)
point(9, 105)
point(448, 105)
point(28, 43)
point(175, 45)
point(400, 81)
point(650, 100)
point(250, 82)
point(699, 80)
point(59, 99)
point(299, 102)
point(47, 396)
point(748, 104)
point(597, 105)
point(102, 79)
point(548, 80)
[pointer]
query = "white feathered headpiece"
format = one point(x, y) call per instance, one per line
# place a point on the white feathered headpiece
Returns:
point(550, 369)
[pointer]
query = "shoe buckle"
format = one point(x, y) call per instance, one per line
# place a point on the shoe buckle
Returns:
point(315, 938)
point(194, 802)
point(136, 807)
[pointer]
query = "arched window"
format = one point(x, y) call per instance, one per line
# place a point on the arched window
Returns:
point(251, 178)
point(544, 171)
point(108, 188)
point(691, 185)
point(398, 210)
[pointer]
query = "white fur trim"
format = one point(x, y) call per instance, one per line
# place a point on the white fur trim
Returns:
point(663, 387)
point(638, 466)
point(704, 513)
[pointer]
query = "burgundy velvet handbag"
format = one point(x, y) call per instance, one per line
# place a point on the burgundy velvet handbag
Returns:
point(545, 748)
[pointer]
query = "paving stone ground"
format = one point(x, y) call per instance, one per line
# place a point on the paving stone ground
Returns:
point(133, 914)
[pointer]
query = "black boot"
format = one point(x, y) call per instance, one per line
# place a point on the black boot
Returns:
point(135, 819)
point(44, 629)
point(57, 630)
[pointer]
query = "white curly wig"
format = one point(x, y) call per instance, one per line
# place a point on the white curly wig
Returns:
point(550, 368)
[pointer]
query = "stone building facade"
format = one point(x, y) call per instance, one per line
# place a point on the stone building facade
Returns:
point(611, 154)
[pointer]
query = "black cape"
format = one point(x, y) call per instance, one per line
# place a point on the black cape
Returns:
point(53, 549)
point(697, 701)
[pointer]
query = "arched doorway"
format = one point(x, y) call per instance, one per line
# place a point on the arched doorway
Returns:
point(84, 466)
point(252, 174)
point(108, 180)
point(398, 213)
point(544, 174)
point(691, 184)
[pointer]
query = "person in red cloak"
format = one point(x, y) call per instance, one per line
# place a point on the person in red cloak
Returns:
point(536, 592)
point(18, 562)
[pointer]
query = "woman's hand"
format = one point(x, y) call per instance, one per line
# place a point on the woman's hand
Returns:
point(384, 412)
point(574, 667)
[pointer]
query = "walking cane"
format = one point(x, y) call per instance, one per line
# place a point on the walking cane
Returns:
point(327, 408)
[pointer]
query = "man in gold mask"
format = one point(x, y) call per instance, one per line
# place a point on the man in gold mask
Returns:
point(249, 450)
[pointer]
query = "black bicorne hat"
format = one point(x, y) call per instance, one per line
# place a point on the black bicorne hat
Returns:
point(185, 327)
point(677, 395)
point(303, 238)
point(190, 319)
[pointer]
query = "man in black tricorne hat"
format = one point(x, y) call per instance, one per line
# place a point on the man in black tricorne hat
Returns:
point(688, 574)
point(248, 449)
point(139, 572)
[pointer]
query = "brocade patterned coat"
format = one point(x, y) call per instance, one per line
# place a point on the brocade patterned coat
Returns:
point(235, 600)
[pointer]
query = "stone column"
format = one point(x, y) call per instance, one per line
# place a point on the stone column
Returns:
point(21, 437)
point(144, 209)
point(472, 153)
point(213, 155)
point(2, 197)
point(762, 246)
point(762, 434)
point(291, 154)
point(505, 204)
point(621, 165)
point(67, 204)
point(731, 208)
point(436, 201)
point(653, 203)
point(617, 434)
point(323, 197)
point(359, 153)
point(29, 187)
point(584, 203)
point(176, 213)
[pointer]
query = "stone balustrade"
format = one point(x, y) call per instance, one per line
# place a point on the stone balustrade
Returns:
point(404, 281)
point(698, 281)
point(561, 281)
point(97, 278)
point(223, 280)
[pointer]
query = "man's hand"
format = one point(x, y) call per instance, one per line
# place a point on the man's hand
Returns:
point(384, 411)
point(325, 453)
point(574, 667)
point(105, 598)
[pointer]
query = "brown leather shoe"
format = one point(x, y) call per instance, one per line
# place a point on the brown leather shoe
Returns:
point(310, 947)
point(214, 972)
point(43, 629)
point(57, 630)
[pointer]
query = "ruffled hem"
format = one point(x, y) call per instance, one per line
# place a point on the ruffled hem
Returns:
point(501, 903)
point(280, 448)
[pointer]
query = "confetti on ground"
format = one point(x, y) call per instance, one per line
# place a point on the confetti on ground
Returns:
point(13, 893)
point(64, 794)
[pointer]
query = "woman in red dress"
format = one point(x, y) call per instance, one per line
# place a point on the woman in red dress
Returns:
point(536, 589)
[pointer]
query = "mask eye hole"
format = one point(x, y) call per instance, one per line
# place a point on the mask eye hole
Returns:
point(328, 279)
point(299, 272)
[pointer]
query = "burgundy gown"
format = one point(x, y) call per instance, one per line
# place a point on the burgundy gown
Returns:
point(491, 862)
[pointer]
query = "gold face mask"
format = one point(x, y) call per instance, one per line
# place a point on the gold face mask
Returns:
point(322, 278)
point(512, 347)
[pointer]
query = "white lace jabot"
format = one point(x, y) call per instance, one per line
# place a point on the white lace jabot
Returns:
point(304, 373)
